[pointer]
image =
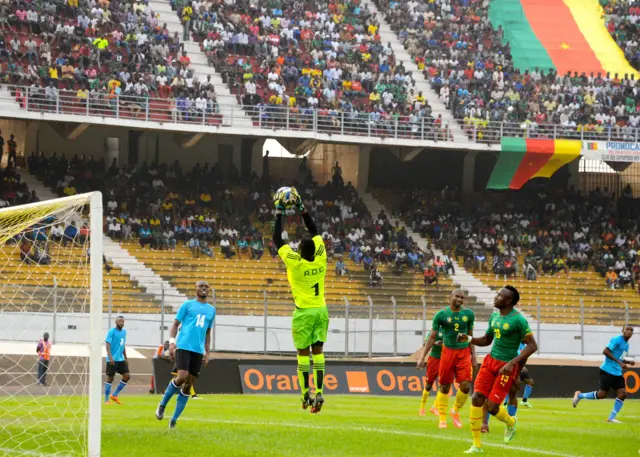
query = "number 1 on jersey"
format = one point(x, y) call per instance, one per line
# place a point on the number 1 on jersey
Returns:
point(316, 286)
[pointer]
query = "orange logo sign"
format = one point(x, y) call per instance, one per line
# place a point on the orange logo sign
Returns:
point(358, 381)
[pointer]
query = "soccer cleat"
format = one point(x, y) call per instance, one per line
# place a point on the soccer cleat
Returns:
point(510, 432)
point(484, 428)
point(195, 397)
point(160, 412)
point(442, 425)
point(108, 402)
point(526, 404)
point(306, 401)
point(456, 419)
point(316, 406)
point(576, 398)
point(114, 399)
point(614, 421)
point(173, 424)
point(434, 411)
point(422, 412)
point(474, 450)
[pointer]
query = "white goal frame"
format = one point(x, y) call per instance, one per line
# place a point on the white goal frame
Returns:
point(96, 336)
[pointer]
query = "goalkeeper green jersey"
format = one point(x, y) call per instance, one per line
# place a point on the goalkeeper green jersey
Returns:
point(306, 278)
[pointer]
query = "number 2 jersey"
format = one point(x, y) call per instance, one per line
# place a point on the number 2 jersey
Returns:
point(306, 278)
point(196, 319)
point(452, 324)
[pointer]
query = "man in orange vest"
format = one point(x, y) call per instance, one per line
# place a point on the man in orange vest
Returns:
point(44, 355)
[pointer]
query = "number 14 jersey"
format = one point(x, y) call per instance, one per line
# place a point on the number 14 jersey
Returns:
point(196, 319)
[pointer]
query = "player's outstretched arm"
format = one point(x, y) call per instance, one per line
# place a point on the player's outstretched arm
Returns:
point(484, 340)
point(306, 217)
point(277, 230)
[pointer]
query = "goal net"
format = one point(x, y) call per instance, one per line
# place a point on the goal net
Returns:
point(51, 283)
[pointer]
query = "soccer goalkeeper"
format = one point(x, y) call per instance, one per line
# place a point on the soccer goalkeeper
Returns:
point(306, 271)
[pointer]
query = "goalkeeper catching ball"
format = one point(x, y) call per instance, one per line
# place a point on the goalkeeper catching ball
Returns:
point(306, 271)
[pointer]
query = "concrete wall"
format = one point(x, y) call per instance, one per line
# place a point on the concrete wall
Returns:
point(165, 146)
point(245, 333)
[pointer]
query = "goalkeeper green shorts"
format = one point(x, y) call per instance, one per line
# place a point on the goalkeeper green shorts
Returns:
point(309, 326)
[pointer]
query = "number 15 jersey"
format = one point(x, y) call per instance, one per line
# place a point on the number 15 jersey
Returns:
point(306, 278)
point(196, 319)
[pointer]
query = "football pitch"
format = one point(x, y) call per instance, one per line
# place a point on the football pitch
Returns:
point(251, 425)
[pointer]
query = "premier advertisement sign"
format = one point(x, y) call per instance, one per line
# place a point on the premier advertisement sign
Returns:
point(611, 151)
point(340, 379)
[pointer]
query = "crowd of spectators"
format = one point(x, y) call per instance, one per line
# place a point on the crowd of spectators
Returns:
point(469, 64)
point(99, 54)
point(534, 232)
point(322, 57)
point(210, 212)
point(325, 62)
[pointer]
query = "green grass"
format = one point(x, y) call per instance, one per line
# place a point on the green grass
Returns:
point(256, 425)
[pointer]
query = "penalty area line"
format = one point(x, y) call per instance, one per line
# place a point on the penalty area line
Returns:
point(381, 431)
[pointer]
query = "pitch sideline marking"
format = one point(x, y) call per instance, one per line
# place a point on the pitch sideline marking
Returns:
point(379, 430)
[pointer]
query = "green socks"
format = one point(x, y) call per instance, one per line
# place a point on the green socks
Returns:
point(318, 371)
point(303, 373)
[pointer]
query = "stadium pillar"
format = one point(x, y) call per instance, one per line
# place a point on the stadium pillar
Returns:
point(574, 174)
point(468, 172)
point(236, 145)
point(256, 156)
point(364, 156)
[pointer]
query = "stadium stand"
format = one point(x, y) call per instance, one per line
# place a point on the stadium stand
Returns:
point(556, 248)
point(99, 58)
point(461, 47)
point(326, 56)
point(178, 229)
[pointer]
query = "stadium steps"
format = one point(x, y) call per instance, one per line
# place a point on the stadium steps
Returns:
point(137, 272)
point(461, 278)
point(201, 68)
point(7, 102)
point(31, 287)
point(388, 36)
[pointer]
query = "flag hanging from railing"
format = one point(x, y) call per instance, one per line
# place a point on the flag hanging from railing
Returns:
point(523, 159)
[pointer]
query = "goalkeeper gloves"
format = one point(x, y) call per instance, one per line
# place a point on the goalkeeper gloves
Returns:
point(299, 203)
point(279, 207)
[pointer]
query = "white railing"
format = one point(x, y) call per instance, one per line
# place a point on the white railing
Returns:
point(257, 119)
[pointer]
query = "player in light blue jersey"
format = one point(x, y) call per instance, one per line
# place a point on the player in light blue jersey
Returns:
point(611, 373)
point(190, 350)
point(117, 362)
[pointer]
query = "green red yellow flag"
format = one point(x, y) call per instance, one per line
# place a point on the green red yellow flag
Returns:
point(564, 35)
point(523, 159)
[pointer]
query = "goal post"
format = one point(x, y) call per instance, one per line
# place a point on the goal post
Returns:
point(51, 282)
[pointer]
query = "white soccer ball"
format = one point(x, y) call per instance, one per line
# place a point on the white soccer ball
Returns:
point(288, 196)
